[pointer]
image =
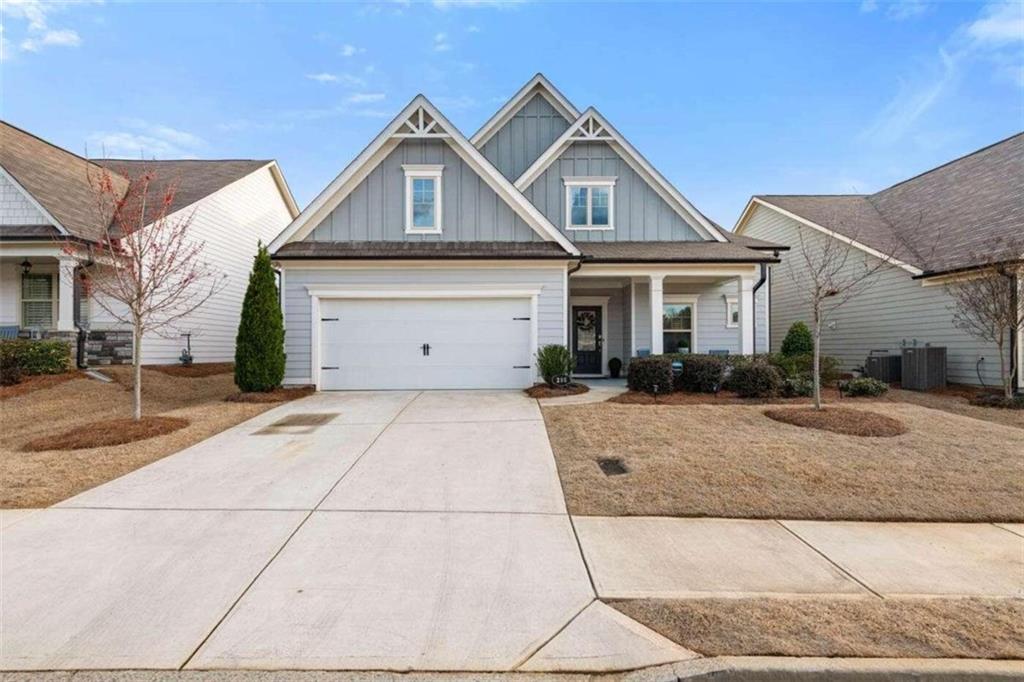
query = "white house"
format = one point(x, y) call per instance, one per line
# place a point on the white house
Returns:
point(434, 260)
point(47, 202)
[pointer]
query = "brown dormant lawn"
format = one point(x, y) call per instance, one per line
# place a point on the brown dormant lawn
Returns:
point(38, 479)
point(733, 461)
point(868, 626)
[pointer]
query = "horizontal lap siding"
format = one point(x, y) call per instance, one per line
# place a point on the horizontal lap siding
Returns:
point(891, 311)
point(640, 214)
point(470, 209)
point(298, 331)
point(524, 137)
point(230, 223)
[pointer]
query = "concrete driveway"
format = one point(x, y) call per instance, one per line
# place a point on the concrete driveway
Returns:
point(386, 531)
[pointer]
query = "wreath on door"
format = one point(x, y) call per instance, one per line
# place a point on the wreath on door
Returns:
point(585, 321)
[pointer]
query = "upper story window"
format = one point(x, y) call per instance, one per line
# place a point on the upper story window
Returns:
point(589, 203)
point(422, 198)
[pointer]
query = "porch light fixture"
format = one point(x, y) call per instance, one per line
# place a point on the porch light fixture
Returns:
point(26, 267)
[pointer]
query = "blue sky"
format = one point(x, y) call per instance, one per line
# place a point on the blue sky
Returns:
point(726, 99)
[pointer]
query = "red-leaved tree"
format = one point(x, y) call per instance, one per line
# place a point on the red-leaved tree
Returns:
point(147, 271)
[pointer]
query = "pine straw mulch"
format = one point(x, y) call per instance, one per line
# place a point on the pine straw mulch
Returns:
point(545, 391)
point(720, 398)
point(857, 627)
point(199, 369)
point(733, 461)
point(840, 420)
point(36, 382)
point(39, 479)
point(278, 395)
point(108, 432)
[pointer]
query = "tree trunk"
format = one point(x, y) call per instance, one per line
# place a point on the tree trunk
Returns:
point(816, 370)
point(137, 373)
point(1004, 373)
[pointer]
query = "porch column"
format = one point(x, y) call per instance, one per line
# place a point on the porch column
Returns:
point(66, 295)
point(657, 298)
point(746, 304)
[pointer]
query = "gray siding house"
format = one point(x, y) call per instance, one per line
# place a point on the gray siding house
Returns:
point(932, 227)
point(435, 260)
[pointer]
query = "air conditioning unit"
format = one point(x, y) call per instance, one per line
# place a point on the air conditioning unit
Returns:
point(924, 368)
point(884, 367)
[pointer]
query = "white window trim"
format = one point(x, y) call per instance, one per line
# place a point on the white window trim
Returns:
point(414, 171)
point(729, 302)
point(670, 299)
point(589, 181)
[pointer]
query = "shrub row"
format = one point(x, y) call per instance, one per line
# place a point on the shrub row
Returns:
point(865, 386)
point(51, 356)
point(652, 374)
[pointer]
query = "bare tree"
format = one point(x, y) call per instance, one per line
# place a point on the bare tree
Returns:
point(988, 302)
point(146, 271)
point(828, 272)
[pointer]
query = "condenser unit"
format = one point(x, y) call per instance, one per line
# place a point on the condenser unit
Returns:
point(924, 368)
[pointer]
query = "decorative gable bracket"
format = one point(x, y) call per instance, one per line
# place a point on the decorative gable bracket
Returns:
point(591, 129)
point(420, 124)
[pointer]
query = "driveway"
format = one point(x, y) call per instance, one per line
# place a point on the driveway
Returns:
point(387, 531)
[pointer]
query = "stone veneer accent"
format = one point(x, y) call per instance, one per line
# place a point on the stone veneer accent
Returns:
point(108, 348)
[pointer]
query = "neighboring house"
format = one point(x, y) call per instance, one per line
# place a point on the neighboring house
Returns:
point(937, 225)
point(437, 261)
point(47, 202)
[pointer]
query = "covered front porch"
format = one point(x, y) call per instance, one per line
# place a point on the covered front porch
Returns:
point(38, 292)
point(624, 312)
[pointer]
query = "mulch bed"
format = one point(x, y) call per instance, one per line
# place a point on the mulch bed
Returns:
point(278, 395)
point(108, 432)
point(840, 420)
point(864, 627)
point(720, 398)
point(36, 382)
point(200, 369)
point(545, 391)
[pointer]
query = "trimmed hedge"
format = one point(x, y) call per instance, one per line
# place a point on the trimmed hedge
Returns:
point(802, 367)
point(865, 386)
point(756, 379)
point(798, 341)
point(652, 374)
point(701, 373)
point(47, 356)
point(554, 360)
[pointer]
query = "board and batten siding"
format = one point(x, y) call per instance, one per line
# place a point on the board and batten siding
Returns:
point(298, 325)
point(470, 210)
point(893, 310)
point(230, 222)
point(524, 137)
point(640, 214)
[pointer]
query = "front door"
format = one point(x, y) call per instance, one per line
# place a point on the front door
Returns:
point(586, 338)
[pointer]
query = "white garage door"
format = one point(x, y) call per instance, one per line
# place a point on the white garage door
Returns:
point(425, 343)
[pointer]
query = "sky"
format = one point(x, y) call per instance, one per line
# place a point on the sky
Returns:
point(725, 99)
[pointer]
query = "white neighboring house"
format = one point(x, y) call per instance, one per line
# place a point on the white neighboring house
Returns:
point(438, 261)
point(46, 201)
point(938, 225)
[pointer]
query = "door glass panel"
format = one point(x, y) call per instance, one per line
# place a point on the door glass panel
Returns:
point(586, 330)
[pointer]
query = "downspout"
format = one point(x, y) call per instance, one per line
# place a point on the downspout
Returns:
point(758, 285)
point(1014, 333)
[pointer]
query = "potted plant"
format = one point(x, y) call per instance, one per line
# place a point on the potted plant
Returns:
point(615, 367)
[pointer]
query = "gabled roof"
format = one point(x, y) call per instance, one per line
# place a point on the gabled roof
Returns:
point(591, 126)
point(938, 221)
point(538, 85)
point(420, 119)
point(59, 182)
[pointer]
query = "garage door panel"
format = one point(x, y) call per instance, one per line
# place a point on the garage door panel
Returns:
point(377, 344)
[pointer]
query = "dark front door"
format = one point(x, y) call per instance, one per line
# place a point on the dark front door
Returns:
point(586, 338)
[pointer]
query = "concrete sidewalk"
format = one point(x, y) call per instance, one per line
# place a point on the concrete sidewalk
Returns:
point(670, 558)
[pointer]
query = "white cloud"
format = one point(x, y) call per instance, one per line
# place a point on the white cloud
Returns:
point(365, 97)
point(348, 50)
point(472, 28)
point(896, 9)
point(868, 6)
point(144, 139)
point(473, 4)
point(441, 43)
point(1000, 24)
point(38, 33)
point(322, 77)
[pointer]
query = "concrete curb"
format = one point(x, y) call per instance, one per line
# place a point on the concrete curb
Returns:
point(720, 669)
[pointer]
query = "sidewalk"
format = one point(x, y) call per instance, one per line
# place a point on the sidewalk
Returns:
point(675, 558)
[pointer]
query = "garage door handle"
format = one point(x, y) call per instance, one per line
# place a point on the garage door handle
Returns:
point(328, 368)
point(520, 367)
point(526, 319)
point(328, 319)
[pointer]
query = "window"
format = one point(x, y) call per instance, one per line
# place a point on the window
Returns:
point(732, 312)
point(589, 204)
point(678, 325)
point(422, 198)
point(37, 301)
